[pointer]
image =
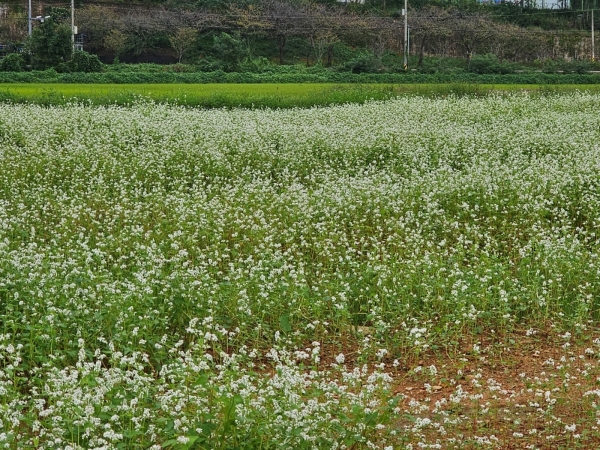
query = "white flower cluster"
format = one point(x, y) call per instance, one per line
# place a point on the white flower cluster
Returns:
point(152, 257)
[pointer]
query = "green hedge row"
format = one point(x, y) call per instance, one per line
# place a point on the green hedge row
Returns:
point(51, 76)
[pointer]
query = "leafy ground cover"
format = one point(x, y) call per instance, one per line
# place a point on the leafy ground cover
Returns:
point(286, 95)
point(199, 95)
point(409, 273)
point(293, 75)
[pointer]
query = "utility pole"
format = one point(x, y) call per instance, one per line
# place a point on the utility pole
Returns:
point(408, 43)
point(30, 19)
point(29, 28)
point(72, 25)
point(593, 46)
point(405, 34)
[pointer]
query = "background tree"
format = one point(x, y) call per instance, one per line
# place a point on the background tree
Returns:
point(284, 18)
point(429, 26)
point(11, 29)
point(183, 39)
point(144, 31)
point(49, 44)
point(322, 28)
point(322, 40)
point(569, 45)
point(384, 34)
point(513, 43)
point(97, 23)
point(59, 14)
point(250, 22)
point(539, 45)
point(470, 31)
point(116, 42)
point(230, 49)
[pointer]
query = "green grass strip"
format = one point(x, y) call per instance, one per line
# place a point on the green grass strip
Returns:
point(284, 95)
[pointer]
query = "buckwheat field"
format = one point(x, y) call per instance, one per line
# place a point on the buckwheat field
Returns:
point(406, 274)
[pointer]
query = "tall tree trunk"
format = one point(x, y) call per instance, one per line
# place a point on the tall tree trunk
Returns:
point(421, 51)
point(281, 39)
point(330, 55)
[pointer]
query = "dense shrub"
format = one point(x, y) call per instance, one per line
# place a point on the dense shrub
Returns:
point(49, 44)
point(230, 49)
point(488, 64)
point(209, 65)
point(256, 65)
point(13, 62)
point(560, 65)
point(363, 64)
point(85, 62)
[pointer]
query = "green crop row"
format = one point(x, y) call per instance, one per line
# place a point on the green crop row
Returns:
point(269, 95)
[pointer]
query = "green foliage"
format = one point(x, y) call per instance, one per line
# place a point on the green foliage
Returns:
point(230, 49)
point(209, 70)
point(49, 44)
point(209, 64)
point(290, 95)
point(59, 14)
point(84, 62)
point(234, 26)
point(365, 63)
point(116, 41)
point(486, 64)
point(438, 65)
point(579, 67)
point(256, 65)
point(13, 62)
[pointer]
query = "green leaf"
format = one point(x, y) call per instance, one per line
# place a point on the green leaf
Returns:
point(284, 323)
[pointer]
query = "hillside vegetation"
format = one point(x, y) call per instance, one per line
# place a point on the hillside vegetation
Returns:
point(248, 35)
